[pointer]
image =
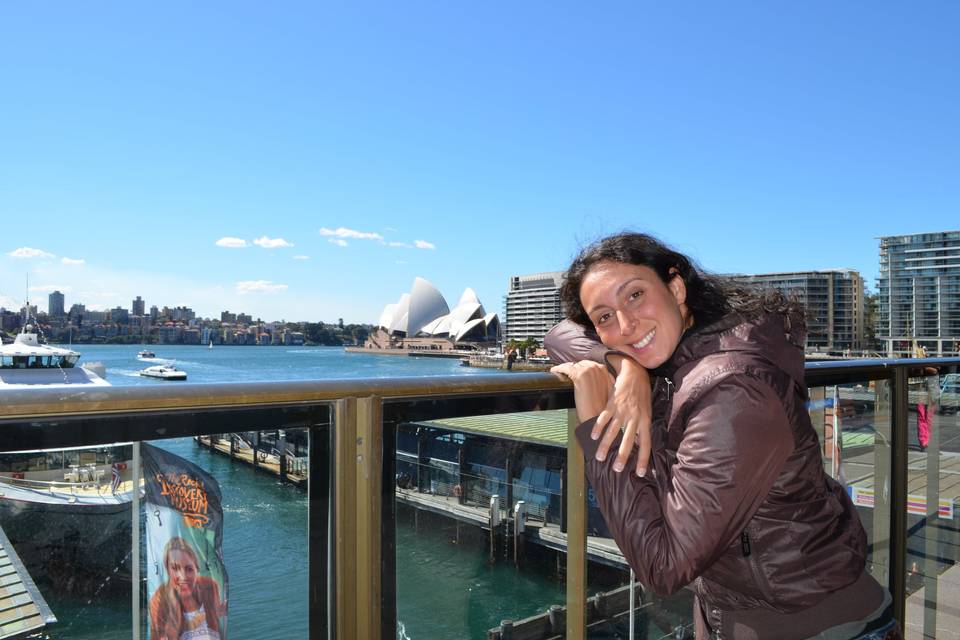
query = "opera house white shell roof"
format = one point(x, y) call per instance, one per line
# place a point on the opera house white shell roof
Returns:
point(424, 312)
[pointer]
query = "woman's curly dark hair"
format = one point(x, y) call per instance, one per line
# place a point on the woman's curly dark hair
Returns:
point(709, 297)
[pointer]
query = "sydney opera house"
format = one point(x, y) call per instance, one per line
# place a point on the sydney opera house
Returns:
point(422, 320)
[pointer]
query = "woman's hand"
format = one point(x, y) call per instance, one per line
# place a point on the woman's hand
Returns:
point(592, 386)
point(629, 409)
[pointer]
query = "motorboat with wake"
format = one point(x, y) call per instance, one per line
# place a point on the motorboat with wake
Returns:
point(164, 372)
point(146, 354)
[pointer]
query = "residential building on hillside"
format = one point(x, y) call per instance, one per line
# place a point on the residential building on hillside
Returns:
point(833, 299)
point(532, 306)
point(138, 307)
point(919, 293)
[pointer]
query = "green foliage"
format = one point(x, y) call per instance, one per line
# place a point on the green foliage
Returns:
point(318, 333)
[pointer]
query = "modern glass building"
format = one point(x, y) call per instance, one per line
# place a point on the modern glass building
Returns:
point(834, 303)
point(532, 305)
point(55, 305)
point(919, 289)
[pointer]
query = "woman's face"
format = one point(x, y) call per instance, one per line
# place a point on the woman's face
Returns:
point(183, 572)
point(634, 311)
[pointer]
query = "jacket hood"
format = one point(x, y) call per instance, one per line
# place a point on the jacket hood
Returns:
point(776, 337)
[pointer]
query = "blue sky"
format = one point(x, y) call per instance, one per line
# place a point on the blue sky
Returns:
point(353, 146)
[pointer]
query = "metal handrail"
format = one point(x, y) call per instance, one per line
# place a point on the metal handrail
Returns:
point(37, 403)
point(48, 403)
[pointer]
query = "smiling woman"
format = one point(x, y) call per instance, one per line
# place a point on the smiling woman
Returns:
point(739, 504)
point(187, 605)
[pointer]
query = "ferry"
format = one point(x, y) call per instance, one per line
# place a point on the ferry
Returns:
point(66, 511)
point(28, 364)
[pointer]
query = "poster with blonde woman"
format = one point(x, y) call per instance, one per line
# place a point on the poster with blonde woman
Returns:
point(186, 577)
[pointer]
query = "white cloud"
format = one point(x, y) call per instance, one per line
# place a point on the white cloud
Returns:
point(66, 260)
point(259, 286)
point(301, 257)
point(231, 243)
point(27, 252)
point(405, 245)
point(50, 288)
point(401, 262)
point(340, 242)
point(343, 232)
point(423, 244)
point(8, 303)
point(272, 243)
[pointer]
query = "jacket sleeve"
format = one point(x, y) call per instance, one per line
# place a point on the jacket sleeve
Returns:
point(736, 440)
point(571, 342)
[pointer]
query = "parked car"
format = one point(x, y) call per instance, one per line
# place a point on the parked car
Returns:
point(950, 393)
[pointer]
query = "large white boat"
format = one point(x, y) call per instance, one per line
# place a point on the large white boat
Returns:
point(27, 364)
point(164, 372)
point(66, 511)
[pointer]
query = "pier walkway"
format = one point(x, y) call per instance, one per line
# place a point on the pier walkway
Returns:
point(602, 550)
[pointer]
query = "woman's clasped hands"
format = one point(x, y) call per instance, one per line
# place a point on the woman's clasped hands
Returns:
point(621, 403)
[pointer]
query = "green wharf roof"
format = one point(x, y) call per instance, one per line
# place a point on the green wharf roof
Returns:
point(539, 427)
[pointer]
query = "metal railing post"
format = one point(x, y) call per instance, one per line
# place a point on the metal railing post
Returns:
point(369, 462)
point(346, 607)
point(898, 494)
point(135, 540)
point(319, 529)
point(576, 535)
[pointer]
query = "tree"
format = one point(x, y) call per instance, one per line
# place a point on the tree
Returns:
point(871, 302)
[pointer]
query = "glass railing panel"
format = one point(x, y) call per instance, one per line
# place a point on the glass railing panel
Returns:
point(75, 538)
point(853, 423)
point(263, 477)
point(621, 607)
point(480, 539)
point(933, 499)
point(70, 526)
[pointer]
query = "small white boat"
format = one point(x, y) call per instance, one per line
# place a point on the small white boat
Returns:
point(146, 353)
point(164, 372)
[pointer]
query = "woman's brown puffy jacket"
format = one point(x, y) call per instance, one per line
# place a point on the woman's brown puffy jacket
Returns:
point(739, 501)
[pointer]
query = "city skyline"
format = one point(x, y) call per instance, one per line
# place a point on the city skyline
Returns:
point(306, 163)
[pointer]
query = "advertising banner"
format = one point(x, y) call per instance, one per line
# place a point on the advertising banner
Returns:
point(186, 577)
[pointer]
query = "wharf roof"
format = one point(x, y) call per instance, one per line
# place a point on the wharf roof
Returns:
point(22, 608)
point(538, 427)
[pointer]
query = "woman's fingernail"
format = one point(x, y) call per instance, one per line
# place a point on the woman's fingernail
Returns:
point(618, 466)
point(641, 472)
point(601, 457)
point(594, 436)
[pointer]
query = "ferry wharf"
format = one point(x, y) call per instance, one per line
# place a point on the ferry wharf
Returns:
point(505, 474)
point(245, 448)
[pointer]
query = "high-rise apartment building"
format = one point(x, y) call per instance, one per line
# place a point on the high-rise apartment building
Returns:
point(833, 300)
point(919, 293)
point(532, 305)
point(55, 305)
point(138, 307)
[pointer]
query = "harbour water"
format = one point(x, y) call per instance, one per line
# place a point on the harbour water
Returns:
point(445, 584)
